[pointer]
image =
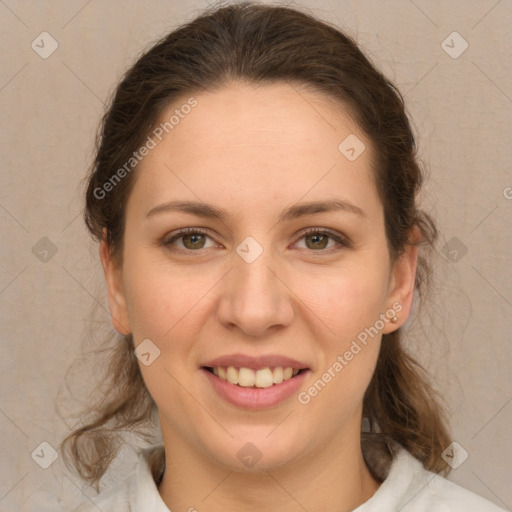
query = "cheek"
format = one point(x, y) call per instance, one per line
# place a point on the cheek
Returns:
point(161, 307)
point(350, 307)
point(347, 301)
point(158, 302)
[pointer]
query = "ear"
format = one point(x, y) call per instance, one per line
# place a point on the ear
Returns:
point(116, 299)
point(403, 276)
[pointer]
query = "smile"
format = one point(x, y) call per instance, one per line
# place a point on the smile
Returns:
point(248, 377)
point(255, 382)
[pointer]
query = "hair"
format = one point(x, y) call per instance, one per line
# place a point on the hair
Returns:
point(262, 44)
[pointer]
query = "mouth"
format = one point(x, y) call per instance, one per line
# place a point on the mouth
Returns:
point(255, 382)
point(255, 378)
point(257, 388)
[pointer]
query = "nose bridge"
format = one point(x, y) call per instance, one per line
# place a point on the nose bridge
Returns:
point(255, 298)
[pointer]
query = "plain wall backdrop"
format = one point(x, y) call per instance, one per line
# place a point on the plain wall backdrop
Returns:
point(452, 62)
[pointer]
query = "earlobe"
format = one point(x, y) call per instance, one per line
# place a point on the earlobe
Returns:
point(115, 292)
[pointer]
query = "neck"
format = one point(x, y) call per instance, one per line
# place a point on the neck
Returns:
point(328, 481)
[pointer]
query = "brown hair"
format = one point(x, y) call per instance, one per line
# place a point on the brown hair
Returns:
point(263, 44)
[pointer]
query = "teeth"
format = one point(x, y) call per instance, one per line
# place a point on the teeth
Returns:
point(264, 378)
point(247, 377)
point(232, 375)
point(277, 376)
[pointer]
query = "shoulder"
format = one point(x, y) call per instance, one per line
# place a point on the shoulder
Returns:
point(113, 499)
point(446, 495)
point(137, 492)
point(409, 487)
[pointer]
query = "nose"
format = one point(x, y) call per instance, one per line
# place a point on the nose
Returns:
point(255, 297)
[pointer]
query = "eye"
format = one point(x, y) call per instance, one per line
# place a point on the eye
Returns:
point(317, 239)
point(192, 239)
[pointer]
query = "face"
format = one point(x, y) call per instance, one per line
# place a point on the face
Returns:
point(262, 280)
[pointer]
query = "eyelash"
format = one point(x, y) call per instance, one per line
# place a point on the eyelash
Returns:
point(343, 242)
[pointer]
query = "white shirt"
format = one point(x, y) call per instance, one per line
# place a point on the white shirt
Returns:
point(406, 487)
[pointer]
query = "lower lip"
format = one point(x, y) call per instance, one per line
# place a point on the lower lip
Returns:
point(256, 398)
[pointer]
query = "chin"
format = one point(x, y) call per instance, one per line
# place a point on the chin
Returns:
point(258, 451)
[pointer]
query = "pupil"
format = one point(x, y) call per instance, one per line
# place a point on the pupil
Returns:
point(194, 239)
point(316, 238)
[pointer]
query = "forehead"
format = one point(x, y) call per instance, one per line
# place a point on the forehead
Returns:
point(279, 141)
point(241, 116)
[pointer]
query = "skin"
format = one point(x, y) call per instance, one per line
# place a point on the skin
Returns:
point(254, 151)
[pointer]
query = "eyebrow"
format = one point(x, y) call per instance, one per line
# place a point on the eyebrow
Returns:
point(292, 212)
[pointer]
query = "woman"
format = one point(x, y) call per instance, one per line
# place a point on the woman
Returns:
point(254, 196)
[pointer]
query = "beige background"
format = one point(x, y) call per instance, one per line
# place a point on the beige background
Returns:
point(461, 108)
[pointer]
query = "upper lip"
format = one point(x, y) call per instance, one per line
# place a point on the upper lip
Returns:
point(255, 363)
